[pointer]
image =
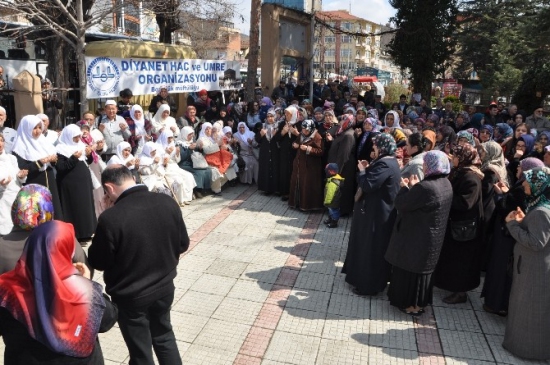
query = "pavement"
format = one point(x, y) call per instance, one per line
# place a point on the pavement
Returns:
point(261, 285)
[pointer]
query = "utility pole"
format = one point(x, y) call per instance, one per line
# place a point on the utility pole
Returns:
point(312, 51)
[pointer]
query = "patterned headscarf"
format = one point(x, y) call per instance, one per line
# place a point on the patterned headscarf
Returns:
point(465, 117)
point(373, 113)
point(469, 137)
point(467, 155)
point(494, 160)
point(434, 118)
point(348, 121)
point(539, 181)
point(58, 307)
point(436, 163)
point(32, 206)
point(385, 144)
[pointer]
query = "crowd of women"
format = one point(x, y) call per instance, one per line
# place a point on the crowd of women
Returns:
point(429, 206)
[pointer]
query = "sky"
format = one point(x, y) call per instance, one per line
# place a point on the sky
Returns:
point(378, 11)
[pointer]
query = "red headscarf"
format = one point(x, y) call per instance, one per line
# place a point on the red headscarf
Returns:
point(60, 308)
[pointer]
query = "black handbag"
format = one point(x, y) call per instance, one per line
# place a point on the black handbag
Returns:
point(463, 231)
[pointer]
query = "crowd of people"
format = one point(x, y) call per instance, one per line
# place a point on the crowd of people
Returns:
point(436, 196)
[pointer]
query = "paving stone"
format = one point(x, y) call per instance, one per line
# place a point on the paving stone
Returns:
point(229, 268)
point(456, 319)
point(319, 266)
point(261, 273)
point(185, 278)
point(112, 345)
point(273, 257)
point(201, 355)
point(459, 361)
point(223, 335)
point(340, 286)
point(390, 327)
point(311, 300)
point(491, 324)
point(302, 322)
point(343, 328)
point(391, 356)
point(336, 352)
point(187, 326)
point(197, 303)
point(502, 356)
point(241, 254)
point(439, 294)
point(250, 290)
point(468, 345)
point(292, 348)
point(315, 281)
point(214, 284)
point(237, 311)
point(347, 305)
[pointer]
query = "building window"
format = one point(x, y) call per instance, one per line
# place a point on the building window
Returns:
point(329, 65)
point(368, 28)
point(377, 55)
point(377, 43)
point(346, 38)
point(368, 54)
point(330, 39)
point(330, 53)
point(368, 41)
point(346, 26)
point(345, 52)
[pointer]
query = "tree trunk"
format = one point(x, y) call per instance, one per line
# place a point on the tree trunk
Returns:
point(82, 81)
point(424, 87)
point(254, 49)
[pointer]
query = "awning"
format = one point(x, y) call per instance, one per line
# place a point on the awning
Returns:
point(365, 79)
point(138, 49)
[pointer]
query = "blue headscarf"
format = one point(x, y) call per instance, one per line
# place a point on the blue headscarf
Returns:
point(529, 143)
point(476, 120)
point(489, 128)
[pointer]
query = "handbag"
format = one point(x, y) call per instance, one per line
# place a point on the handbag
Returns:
point(198, 160)
point(463, 231)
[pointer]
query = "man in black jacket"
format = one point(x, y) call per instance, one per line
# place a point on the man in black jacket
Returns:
point(137, 244)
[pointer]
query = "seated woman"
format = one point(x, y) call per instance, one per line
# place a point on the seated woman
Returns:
point(162, 120)
point(140, 128)
point(203, 177)
point(74, 182)
point(31, 198)
point(218, 159)
point(180, 181)
point(246, 140)
point(151, 169)
point(11, 179)
point(124, 157)
point(50, 311)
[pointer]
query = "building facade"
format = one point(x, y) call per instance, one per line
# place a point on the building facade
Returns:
point(301, 5)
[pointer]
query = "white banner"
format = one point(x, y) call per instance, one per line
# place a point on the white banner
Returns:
point(106, 77)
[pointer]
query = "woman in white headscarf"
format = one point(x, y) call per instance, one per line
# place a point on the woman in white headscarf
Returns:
point(140, 128)
point(74, 182)
point(391, 120)
point(11, 180)
point(162, 120)
point(203, 177)
point(218, 159)
point(123, 156)
point(247, 142)
point(97, 167)
point(151, 169)
point(36, 155)
point(180, 181)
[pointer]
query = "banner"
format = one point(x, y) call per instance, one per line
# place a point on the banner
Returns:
point(106, 77)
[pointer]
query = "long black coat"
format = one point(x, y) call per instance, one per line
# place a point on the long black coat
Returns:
point(419, 230)
point(373, 219)
point(459, 265)
point(342, 152)
point(269, 164)
point(286, 157)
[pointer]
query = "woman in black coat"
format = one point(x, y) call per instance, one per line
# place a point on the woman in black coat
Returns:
point(459, 265)
point(373, 218)
point(285, 137)
point(365, 136)
point(268, 174)
point(422, 212)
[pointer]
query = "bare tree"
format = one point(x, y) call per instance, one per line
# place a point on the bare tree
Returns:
point(61, 26)
point(254, 50)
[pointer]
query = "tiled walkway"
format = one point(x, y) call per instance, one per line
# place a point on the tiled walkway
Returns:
point(261, 284)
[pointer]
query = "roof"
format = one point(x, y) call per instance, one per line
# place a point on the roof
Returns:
point(337, 15)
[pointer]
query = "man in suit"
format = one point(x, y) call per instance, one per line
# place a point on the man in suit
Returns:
point(137, 244)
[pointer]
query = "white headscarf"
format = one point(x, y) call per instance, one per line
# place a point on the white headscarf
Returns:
point(139, 123)
point(203, 128)
point(66, 146)
point(163, 143)
point(395, 119)
point(119, 157)
point(145, 158)
point(227, 129)
point(184, 133)
point(97, 135)
point(246, 135)
point(158, 115)
point(294, 112)
point(29, 148)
